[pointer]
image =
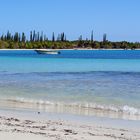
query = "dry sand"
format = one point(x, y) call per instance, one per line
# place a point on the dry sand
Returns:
point(12, 128)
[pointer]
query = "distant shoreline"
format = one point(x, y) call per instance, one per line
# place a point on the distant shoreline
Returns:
point(66, 49)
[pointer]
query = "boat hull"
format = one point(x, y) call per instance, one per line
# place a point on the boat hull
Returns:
point(49, 52)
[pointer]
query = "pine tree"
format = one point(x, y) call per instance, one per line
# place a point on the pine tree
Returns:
point(38, 36)
point(23, 38)
point(104, 38)
point(2, 37)
point(31, 36)
point(34, 35)
point(53, 37)
point(19, 37)
point(41, 37)
point(16, 37)
point(62, 36)
point(92, 36)
point(8, 36)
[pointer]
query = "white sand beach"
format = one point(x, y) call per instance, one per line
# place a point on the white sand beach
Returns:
point(24, 126)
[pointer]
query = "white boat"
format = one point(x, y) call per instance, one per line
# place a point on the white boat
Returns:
point(47, 51)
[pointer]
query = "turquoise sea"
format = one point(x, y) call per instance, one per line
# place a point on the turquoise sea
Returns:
point(86, 82)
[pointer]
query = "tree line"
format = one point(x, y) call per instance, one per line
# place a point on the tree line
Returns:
point(39, 40)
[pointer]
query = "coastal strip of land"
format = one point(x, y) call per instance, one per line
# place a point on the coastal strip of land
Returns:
point(14, 127)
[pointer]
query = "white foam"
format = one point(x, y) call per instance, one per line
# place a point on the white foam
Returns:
point(89, 106)
point(131, 110)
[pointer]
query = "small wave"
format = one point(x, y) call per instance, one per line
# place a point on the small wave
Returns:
point(88, 106)
point(74, 73)
point(86, 73)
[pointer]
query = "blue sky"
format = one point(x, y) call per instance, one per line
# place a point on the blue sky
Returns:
point(120, 19)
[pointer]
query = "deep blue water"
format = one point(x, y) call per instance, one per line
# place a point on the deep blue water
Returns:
point(100, 54)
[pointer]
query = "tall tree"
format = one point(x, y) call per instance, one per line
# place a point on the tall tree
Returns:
point(41, 37)
point(16, 37)
point(31, 36)
point(92, 36)
point(23, 38)
point(8, 36)
point(53, 37)
point(2, 37)
point(19, 37)
point(38, 36)
point(104, 38)
point(62, 36)
point(34, 35)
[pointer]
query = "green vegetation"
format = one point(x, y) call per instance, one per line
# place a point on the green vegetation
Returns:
point(38, 40)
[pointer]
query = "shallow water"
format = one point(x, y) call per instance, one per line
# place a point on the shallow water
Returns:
point(101, 83)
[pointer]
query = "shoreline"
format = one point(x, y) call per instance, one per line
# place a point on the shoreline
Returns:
point(38, 115)
point(52, 126)
point(67, 49)
point(69, 109)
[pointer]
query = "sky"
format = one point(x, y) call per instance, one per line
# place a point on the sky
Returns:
point(119, 19)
